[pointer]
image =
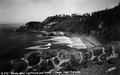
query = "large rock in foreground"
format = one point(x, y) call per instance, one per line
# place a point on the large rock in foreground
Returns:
point(68, 60)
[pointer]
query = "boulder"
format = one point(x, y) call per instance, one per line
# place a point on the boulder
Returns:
point(19, 65)
point(33, 58)
point(56, 61)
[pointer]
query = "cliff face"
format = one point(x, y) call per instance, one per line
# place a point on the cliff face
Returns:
point(73, 25)
point(103, 25)
point(107, 24)
point(33, 26)
point(47, 24)
point(56, 18)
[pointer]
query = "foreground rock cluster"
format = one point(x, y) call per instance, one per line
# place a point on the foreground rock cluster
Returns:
point(96, 60)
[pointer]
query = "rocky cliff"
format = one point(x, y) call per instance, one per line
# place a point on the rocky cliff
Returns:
point(103, 25)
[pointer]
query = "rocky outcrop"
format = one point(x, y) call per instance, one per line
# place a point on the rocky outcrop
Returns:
point(67, 60)
point(53, 33)
point(30, 27)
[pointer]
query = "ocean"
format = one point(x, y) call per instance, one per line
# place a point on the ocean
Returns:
point(12, 44)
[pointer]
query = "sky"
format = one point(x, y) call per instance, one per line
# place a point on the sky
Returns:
point(22, 11)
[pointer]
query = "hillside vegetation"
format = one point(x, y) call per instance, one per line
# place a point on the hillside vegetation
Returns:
point(103, 25)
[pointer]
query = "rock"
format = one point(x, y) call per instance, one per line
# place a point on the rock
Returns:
point(53, 33)
point(97, 52)
point(33, 58)
point(49, 65)
point(34, 25)
point(108, 51)
point(30, 70)
point(63, 55)
point(103, 57)
point(113, 60)
point(67, 67)
point(56, 61)
point(78, 56)
point(88, 55)
point(47, 55)
point(75, 63)
point(30, 27)
point(19, 65)
point(96, 60)
point(46, 66)
point(42, 66)
point(88, 64)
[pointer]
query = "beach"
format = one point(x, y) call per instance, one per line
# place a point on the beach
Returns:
point(77, 42)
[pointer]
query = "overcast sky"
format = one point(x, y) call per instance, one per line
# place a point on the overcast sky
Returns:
point(22, 11)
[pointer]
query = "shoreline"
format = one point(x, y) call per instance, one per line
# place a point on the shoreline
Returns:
point(73, 41)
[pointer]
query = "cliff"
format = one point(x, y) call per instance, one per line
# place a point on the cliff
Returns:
point(103, 25)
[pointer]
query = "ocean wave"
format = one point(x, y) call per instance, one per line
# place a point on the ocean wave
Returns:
point(46, 46)
point(73, 42)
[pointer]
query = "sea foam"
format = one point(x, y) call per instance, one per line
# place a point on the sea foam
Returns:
point(74, 42)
